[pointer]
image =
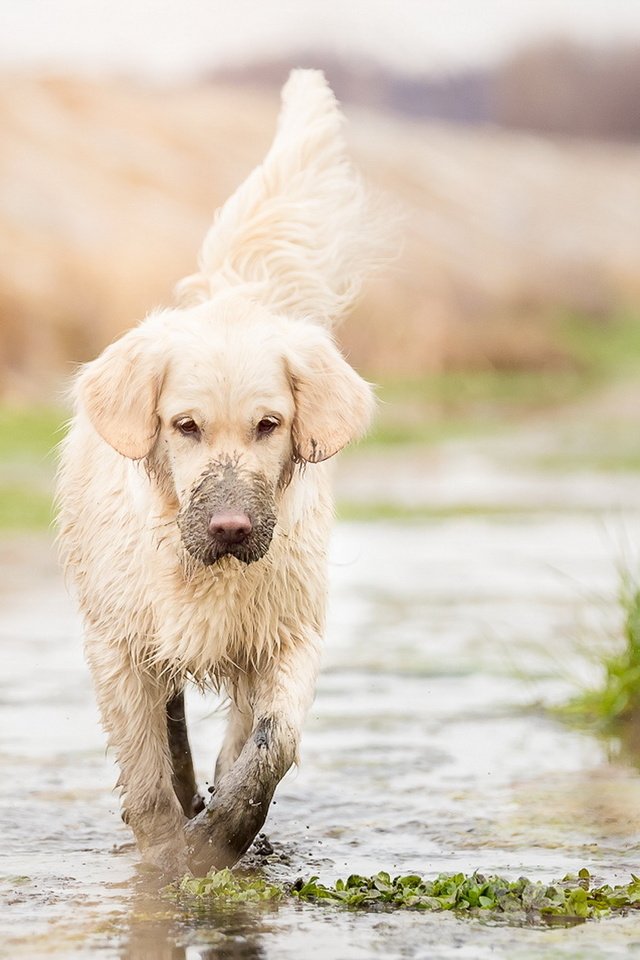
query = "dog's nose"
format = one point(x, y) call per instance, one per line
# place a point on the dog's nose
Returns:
point(230, 528)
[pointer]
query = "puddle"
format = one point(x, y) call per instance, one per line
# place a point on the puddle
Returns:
point(427, 750)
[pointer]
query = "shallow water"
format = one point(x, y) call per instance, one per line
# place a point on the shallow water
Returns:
point(428, 749)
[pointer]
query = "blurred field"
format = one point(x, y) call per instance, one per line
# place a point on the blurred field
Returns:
point(107, 188)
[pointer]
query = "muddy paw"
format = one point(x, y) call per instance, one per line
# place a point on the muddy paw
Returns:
point(220, 835)
point(170, 859)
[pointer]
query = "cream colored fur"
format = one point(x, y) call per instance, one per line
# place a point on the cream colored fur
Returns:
point(248, 339)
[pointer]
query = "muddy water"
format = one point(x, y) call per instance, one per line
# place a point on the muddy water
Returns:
point(428, 749)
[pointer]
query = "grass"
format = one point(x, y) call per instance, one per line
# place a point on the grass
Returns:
point(371, 511)
point(601, 348)
point(24, 509)
point(27, 440)
point(29, 433)
point(616, 701)
point(574, 899)
point(454, 404)
point(440, 407)
point(624, 461)
point(437, 408)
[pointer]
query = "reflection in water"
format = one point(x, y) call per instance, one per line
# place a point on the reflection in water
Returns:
point(157, 929)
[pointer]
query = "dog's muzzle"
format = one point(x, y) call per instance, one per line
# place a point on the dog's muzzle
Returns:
point(230, 512)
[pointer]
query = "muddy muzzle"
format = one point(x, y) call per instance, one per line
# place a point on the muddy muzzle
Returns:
point(230, 512)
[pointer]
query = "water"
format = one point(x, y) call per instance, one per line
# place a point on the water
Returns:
point(429, 748)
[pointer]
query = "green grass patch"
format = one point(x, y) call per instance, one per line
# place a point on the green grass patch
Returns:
point(600, 348)
point(391, 432)
point(394, 511)
point(593, 461)
point(615, 702)
point(448, 406)
point(452, 404)
point(24, 509)
point(29, 433)
point(574, 899)
point(27, 441)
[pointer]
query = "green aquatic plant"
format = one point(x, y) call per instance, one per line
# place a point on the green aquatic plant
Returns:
point(616, 699)
point(225, 885)
point(572, 900)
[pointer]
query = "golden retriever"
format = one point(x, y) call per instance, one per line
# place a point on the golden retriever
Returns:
point(194, 501)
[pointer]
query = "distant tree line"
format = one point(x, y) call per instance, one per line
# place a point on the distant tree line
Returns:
point(564, 88)
point(557, 87)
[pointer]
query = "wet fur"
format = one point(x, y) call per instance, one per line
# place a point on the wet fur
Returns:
point(224, 485)
point(134, 497)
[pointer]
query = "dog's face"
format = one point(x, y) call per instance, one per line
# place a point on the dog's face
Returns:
point(225, 417)
point(221, 401)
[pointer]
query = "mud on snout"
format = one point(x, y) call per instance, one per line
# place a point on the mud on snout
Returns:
point(225, 489)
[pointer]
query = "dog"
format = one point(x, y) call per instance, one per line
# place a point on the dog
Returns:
point(194, 499)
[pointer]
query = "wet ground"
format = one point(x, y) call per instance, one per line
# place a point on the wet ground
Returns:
point(429, 749)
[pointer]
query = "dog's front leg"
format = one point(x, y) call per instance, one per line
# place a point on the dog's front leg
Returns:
point(184, 778)
point(239, 727)
point(279, 697)
point(132, 699)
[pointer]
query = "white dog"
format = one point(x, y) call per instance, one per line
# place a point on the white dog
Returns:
point(194, 506)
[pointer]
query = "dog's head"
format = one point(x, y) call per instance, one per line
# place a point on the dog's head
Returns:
point(221, 401)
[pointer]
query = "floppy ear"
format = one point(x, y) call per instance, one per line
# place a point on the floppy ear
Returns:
point(119, 392)
point(333, 404)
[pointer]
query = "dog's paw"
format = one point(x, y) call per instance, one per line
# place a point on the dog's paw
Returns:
point(222, 833)
point(212, 840)
point(169, 859)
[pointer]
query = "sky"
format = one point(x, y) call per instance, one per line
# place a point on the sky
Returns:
point(176, 39)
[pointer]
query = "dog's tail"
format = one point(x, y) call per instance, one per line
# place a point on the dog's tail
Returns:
point(302, 231)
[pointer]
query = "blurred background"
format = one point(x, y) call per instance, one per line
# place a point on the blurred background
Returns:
point(475, 573)
point(509, 135)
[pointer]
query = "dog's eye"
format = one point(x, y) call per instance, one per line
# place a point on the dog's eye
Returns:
point(267, 425)
point(187, 426)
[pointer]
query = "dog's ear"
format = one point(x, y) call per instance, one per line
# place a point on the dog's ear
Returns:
point(119, 392)
point(333, 404)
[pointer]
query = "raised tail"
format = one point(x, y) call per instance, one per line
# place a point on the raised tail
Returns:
point(302, 230)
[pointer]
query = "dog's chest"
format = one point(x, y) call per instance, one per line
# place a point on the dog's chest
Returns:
point(208, 619)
